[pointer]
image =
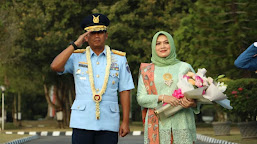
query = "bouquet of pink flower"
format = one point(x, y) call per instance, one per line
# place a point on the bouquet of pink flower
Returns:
point(198, 87)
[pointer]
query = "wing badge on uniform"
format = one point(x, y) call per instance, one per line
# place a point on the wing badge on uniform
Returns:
point(127, 67)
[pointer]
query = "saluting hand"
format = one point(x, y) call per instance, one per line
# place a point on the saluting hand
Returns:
point(82, 39)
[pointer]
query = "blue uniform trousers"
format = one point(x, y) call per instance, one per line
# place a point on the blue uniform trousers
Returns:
point(82, 136)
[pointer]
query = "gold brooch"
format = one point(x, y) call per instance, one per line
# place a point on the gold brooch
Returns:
point(167, 79)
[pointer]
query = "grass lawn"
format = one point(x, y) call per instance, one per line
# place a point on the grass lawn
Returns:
point(4, 138)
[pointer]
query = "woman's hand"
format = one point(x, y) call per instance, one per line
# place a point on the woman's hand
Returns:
point(186, 103)
point(169, 99)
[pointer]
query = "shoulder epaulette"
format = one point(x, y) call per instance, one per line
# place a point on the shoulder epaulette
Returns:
point(119, 52)
point(79, 51)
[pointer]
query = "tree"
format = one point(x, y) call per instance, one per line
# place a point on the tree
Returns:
point(211, 35)
point(133, 24)
point(36, 34)
point(37, 31)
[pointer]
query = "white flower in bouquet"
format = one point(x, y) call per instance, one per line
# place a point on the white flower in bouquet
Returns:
point(221, 86)
point(210, 80)
point(201, 72)
point(184, 85)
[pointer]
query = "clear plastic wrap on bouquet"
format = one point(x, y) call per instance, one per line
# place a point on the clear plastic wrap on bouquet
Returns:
point(167, 110)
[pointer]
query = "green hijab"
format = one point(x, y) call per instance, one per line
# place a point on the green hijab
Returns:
point(169, 60)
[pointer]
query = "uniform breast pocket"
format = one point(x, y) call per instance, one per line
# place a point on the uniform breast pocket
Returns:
point(114, 79)
point(78, 107)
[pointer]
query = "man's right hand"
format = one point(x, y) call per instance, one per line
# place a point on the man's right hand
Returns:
point(60, 60)
point(82, 39)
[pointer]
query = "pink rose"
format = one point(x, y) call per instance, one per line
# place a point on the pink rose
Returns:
point(178, 94)
point(198, 81)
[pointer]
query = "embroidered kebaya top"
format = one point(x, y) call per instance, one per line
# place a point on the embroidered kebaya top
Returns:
point(182, 123)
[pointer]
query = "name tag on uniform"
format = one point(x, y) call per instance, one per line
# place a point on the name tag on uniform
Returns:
point(83, 64)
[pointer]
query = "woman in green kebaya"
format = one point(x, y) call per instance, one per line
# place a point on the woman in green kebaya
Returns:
point(157, 82)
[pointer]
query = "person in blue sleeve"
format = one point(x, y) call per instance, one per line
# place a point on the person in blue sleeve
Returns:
point(99, 74)
point(248, 59)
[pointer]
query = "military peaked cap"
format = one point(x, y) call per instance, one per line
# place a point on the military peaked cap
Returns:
point(95, 22)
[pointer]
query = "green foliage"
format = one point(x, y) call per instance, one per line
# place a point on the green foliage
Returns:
point(243, 97)
point(36, 35)
point(30, 107)
point(214, 33)
point(31, 104)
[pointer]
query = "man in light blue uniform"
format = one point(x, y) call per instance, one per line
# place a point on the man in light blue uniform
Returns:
point(98, 74)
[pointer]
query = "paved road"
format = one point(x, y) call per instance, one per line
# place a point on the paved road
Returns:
point(130, 139)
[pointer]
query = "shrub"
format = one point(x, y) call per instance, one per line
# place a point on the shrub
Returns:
point(243, 98)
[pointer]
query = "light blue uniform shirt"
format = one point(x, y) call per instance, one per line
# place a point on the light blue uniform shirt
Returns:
point(83, 109)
